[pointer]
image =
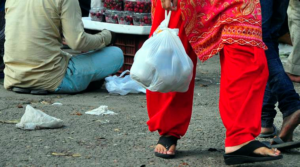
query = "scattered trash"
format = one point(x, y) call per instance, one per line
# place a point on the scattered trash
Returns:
point(10, 122)
point(59, 154)
point(36, 119)
point(100, 121)
point(20, 106)
point(123, 85)
point(202, 85)
point(45, 102)
point(208, 80)
point(184, 164)
point(103, 121)
point(102, 110)
point(101, 138)
point(57, 104)
point(76, 155)
point(66, 154)
point(76, 113)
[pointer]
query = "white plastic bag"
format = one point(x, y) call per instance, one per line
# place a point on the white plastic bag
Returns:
point(36, 119)
point(102, 110)
point(162, 65)
point(123, 85)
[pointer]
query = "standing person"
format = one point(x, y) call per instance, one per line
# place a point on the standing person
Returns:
point(232, 28)
point(293, 63)
point(2, 24)
point(34, 61)
point(279, 87)
point(85, 6)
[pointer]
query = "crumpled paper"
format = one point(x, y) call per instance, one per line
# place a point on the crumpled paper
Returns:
point(35, 119)
point(102, 110)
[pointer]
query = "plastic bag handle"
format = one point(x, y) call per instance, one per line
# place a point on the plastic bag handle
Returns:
point(123, 73)
point(167, 17)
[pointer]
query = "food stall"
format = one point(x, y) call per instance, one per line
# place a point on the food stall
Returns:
point(130, 19)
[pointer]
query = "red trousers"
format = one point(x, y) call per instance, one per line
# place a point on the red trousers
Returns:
point(244, 75)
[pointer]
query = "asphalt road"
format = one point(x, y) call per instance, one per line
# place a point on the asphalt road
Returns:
point(117, 140)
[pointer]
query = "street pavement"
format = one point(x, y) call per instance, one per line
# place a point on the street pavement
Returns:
point(118, 140)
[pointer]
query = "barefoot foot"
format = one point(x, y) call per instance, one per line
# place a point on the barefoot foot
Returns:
point(288, 126)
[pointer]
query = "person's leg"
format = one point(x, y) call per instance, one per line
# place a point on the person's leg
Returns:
point(92, 66)
point(2, 38)
point(293, 62)
point(284, 34)
point(278, 16)
point(279, 85)
point(244, 75)
point(170, 113)
point(268, 113)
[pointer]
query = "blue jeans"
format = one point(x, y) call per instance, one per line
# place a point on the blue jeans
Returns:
point(92, 66)
point(279, 87)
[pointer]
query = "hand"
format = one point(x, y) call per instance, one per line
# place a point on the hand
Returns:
point(166, 4)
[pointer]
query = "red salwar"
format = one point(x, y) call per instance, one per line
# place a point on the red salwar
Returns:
point(244, 75)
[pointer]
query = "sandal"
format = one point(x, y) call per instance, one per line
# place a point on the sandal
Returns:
point(282, 145)
point(167, 142)
point(269, 135)
point(246, 154)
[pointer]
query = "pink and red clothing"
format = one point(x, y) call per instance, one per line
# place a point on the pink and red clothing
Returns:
point(206, 27)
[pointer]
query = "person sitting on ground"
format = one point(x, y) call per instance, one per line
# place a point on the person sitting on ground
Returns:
point(34, 61)
point(279, 87)
point(293, 62)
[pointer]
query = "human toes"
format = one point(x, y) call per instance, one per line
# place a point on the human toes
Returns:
point(160, 149)
point(171, 150)
point(266, 151)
